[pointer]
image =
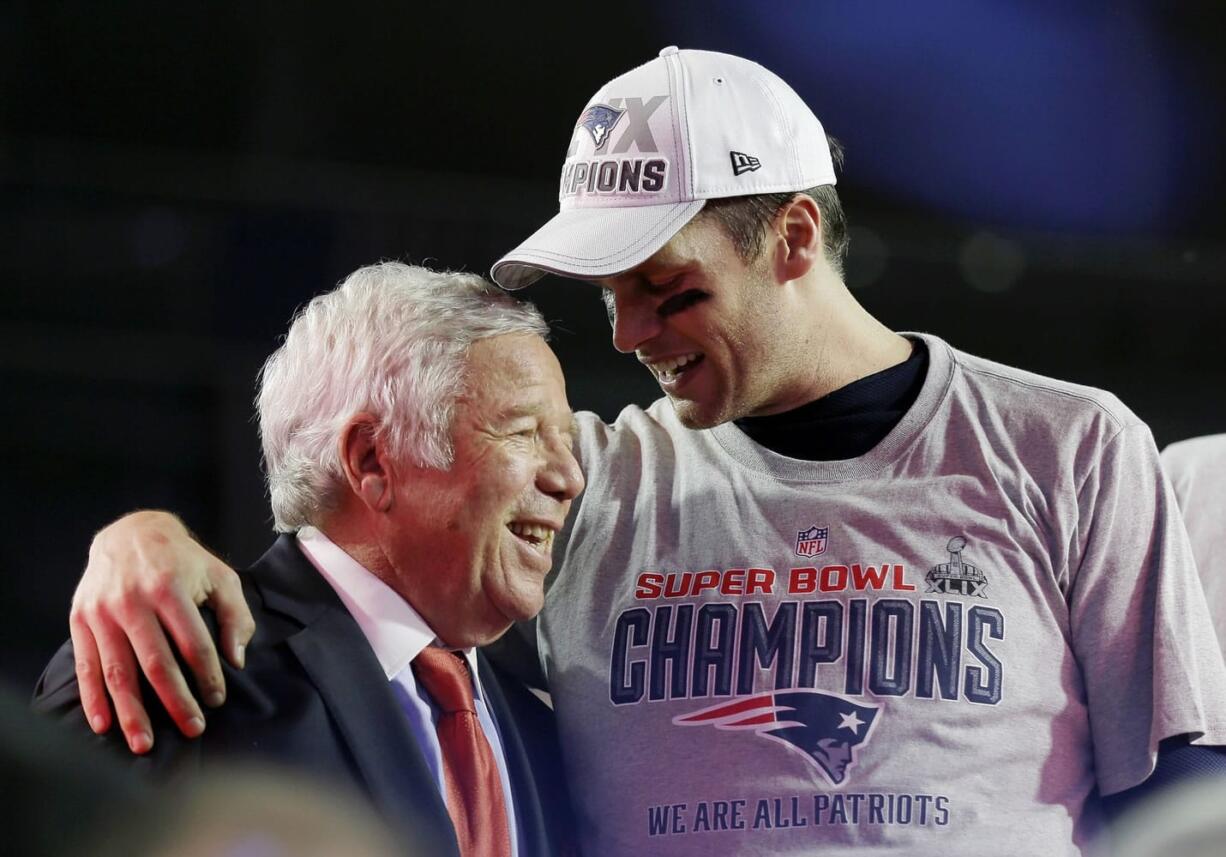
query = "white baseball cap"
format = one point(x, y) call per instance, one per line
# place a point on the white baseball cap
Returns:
point(653, 145)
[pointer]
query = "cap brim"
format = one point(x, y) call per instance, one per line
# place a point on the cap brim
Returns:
point(586, 243)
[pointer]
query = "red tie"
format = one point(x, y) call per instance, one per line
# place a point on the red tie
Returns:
point(470, 774)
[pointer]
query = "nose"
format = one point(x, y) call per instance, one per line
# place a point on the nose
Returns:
point(634, 323)
point(560, 475)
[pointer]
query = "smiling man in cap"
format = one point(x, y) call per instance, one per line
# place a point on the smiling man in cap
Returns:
point(783, 520)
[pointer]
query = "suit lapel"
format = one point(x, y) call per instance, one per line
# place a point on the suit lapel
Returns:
point(529, 812)
point(339, 660)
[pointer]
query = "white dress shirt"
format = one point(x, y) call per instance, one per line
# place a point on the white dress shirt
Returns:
point(397, 634)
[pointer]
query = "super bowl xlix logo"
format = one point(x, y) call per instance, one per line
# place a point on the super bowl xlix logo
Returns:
point(957, 577)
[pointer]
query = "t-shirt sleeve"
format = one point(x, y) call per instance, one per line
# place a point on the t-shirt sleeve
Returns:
point(1141, 629)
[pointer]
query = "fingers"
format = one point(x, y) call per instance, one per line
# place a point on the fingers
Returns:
point(89, 675)
point(155, 658)
point(146, 573)
point(233, 614)
point(119, 674)
point(181, 618)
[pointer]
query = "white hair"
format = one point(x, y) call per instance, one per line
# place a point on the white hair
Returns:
point(391, 340)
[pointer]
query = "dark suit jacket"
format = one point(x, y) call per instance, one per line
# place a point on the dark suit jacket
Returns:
point(314, 698)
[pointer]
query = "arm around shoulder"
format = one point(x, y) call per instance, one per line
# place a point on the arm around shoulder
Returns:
point(145, 579)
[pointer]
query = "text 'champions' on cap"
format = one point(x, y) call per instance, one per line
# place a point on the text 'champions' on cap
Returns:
point(652, 146)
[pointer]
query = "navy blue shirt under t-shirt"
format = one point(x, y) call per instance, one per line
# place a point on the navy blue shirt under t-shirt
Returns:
point(851, 421)
point(848, 422)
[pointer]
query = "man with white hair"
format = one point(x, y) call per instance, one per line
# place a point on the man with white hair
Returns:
point(841, 587)
point(417, 442)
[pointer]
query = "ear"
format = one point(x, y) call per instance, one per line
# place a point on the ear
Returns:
point(367, 466)
point(797, 236)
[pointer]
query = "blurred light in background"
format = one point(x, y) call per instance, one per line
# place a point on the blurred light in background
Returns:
point(990, 263)
point(867, 257)
point(1085, 117)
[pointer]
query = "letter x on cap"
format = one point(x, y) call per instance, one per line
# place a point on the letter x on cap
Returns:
point(653, 145)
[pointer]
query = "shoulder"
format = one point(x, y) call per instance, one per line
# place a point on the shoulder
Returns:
point(285, 593)
point(1197, 453)
point(636, 432)
point(632, 420)
point(1056, 431)
point(57, 697)
point(1196, 469)
point(1035, 398)
point(1044, 436)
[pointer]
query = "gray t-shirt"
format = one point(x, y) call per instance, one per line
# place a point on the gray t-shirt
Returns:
point(942, 646)
point(1197, 470)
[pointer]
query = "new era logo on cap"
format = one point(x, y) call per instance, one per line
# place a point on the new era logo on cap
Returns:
point(743, 163)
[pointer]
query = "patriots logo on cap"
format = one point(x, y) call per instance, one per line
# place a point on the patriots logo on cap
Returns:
point(823, 727)
point(599, 120)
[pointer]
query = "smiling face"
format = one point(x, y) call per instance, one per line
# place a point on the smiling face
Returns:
point(709, 326)
point(472, 544)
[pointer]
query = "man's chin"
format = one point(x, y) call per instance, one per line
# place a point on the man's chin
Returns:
point(521, 606)
point(694, 415)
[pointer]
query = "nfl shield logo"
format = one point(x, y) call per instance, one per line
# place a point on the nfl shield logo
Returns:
point(812, 541)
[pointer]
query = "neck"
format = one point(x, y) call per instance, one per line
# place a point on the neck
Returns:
point(835, 342)
point(361, 535)
point(350, 532)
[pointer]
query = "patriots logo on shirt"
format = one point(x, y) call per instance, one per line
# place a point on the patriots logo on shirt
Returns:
point(599, 120)
point(823, 727)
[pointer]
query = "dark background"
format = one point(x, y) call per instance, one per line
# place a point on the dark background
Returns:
point(1038, 184)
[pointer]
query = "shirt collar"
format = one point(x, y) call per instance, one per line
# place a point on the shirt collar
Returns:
point(396, 632)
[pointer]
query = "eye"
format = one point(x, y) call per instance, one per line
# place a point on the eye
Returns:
point(681, 301)
point(521, 431)
point(664, 286)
